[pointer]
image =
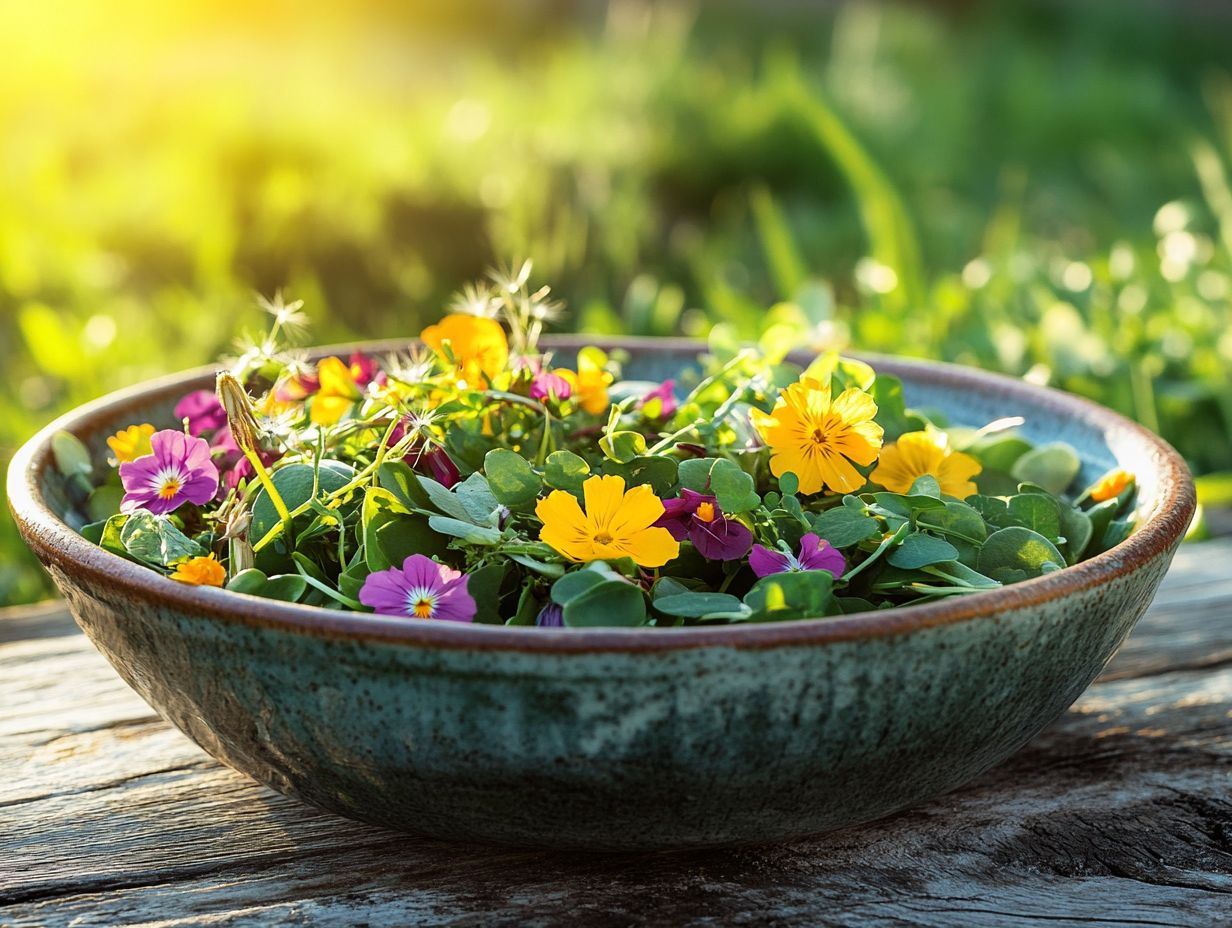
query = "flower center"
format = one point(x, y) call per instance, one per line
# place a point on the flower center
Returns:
point(603, 538)
point(705, 512)
point(168, 484)
point(421, 603)
point(818, 437)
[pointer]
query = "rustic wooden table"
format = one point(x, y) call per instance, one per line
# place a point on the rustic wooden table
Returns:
point(1118, 814)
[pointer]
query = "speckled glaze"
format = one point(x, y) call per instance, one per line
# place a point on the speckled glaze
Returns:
point(622, 738)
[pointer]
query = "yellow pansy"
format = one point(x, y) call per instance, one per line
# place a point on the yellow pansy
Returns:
point(338, 392)
point(817, 438)
point(918, 453)
point(200, 571)
point(131, 443)
point(589, 384)
point(616, 524)
point(477, 345)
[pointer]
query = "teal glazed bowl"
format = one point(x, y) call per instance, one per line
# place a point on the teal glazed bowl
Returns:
point(621, 738)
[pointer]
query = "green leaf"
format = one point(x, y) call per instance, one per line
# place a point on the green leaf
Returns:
point(655, 470)
point(104, 502)
point(1017, 553)
point(294, 483)
point(285, 587)
point(1036, 512)
point(469, 532)
point(691, 605)
point(564, 470)
point(248, 581)
point(577, 582)
point(480, 502)
point(398, 478)
point(610, 602)
point(887, 393)
point(1077, 528)
point(921, 549)
point(1053, 467)
point(156, 540)
point(71, 456)
point(513, 481)
point(398, 537)
point(484, 586)
point(732, 487)
point(999, 451)
point(622, 447)
point(925, 485)
point(843, 527)
point(956, 520)
point(694, 474)
point(803, 594)
point(789, 484)
point(442, 500)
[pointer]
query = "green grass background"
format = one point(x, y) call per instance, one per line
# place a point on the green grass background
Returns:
point(1039, 188)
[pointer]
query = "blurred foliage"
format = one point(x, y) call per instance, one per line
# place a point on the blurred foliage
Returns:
point(1040, 188)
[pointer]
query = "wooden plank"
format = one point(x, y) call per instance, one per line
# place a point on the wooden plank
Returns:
point(1119, 814)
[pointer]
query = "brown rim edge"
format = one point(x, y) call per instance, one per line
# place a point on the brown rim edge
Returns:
point(55, 543)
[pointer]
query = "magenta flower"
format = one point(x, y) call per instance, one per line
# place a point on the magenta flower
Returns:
point(234, 466)
point(364, 369)
point(202, 410)
point(698, 518)
point(419, 589)
point(438, 464)
point(178, 471)
point(546, 385)
point(660, 403)
point(815, 554)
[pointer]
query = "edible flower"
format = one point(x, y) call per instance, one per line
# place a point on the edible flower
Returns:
point(698, 518)
point(200, 571)
point(337, 391)
point(131, 443)
point(550, 616)
point(178, 470)
point(550, 385)
point(815, 554)
point(202, 410)
point(819, 439)
point(1111, 485)
point(660, 403)
point(919, 454)
point(591, 380)
point(616, 524)
point(476, 344)
point(419, 589)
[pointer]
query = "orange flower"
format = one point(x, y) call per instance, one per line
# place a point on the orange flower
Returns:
point(131, 443)
point(918, 453)
point(1111, 485)
point(615, 524)
point(818, 439)
point(200, 571)
point(476, 344)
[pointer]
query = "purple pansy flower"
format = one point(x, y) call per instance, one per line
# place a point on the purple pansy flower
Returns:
point(698, 518)
point(815, 554)
point(202, 410)
point(660, 403)
point(551, 616)
point(178, 471)
point(419, 589)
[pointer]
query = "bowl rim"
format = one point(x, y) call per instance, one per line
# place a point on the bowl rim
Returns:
point(54, 542)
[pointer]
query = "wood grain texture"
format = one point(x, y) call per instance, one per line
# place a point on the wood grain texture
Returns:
point(1119, 814)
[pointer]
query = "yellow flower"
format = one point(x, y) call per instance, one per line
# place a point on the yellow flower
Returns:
point(918, 453)
point(615, 524)
point(590, 383)
point(818, 439)
point(477, 344)
point(338, 392)
point(131, 443)
point(1110, 485)
point(200, 571)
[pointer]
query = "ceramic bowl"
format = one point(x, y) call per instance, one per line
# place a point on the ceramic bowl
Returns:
point(622, 738)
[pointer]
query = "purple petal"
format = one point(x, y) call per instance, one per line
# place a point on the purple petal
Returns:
point(455, 603)
point(766, 562)
point(720, 539)
point(422, 571)
point(551, 616)
point(666, 397)
point(363, 368)
point(202, 410)
point(199, 489)
point(385, 592)
point(816, 554)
